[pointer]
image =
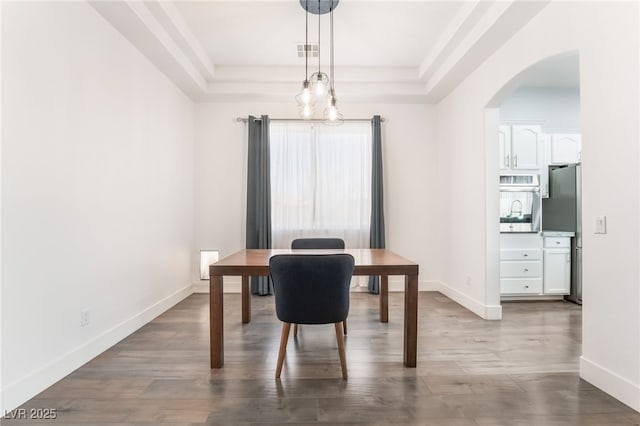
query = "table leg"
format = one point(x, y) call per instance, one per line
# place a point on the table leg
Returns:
point(410, 320)
point(384, 298)
point(246, 300)
point(216, 325)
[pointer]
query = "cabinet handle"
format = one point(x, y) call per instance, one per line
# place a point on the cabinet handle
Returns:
point(526, 286)
point(525, 255)
point(515, 161)
point(557, 242)
point(506, 161)
point(526, 270)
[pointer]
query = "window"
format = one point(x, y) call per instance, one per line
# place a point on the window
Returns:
point(320, 182)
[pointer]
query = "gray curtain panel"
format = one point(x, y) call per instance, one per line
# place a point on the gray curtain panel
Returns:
point(376, 238)
point(259, 195)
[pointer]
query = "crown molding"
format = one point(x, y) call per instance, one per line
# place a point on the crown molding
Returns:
point(497, 24)
point(284, 91)
point(170, 18)
point(466, 18)
point(158, 30)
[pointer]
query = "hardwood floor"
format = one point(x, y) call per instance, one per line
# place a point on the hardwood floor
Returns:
point(522, 370)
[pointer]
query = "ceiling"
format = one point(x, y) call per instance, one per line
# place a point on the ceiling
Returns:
point(370, 34)
point(393, 51)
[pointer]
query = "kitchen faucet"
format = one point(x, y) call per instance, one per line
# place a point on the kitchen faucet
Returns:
point(517, 209)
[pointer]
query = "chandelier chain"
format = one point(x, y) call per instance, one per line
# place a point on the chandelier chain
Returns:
point(306, 42)
point(331, 47)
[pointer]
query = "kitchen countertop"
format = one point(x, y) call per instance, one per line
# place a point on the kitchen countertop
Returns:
point(557, 234)
point(521, 232)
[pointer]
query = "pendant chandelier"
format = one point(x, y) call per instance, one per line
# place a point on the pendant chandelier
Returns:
point(319, 86)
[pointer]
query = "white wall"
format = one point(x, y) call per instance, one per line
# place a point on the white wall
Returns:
point(1, 132)
point(557, 108)
point(606, 36)
point(409, 174)
point(97, 191)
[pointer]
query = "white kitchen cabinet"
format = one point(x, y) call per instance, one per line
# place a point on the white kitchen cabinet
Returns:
point(521, 265)
point(504, 133)
point(565, 148)
point(558, 148)
point(520, 147)
point(520, 286)
point(526, 147)
point(544, 170)
point(557, 265)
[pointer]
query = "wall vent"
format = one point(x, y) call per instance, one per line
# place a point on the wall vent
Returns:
point(312, 50)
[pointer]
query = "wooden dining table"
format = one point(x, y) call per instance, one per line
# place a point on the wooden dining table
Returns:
point(255, 262)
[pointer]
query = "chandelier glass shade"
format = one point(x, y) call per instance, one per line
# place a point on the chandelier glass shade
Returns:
point(306, 95)
point(320, 84)
point(332, 114)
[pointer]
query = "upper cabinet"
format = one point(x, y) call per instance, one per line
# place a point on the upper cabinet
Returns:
point(565, 148)
point(520, 147)
point(505, 147)
point(558, 148)
point(526, 147)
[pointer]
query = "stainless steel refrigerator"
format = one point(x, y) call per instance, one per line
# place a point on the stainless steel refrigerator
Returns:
point(562, 212)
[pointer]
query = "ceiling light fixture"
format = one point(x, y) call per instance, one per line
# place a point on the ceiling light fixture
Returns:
point(306, 99)
point(319, 80)
point(332, 114)
point(320, 85)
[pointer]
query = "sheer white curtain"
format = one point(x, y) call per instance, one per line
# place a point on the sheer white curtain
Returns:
point(320, 182)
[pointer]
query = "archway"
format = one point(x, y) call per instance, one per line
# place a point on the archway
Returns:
point(557, 72)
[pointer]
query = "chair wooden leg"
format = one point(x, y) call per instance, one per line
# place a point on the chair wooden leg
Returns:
point(295, 330)
point(343, 357)
point(344, 327)
point(284, 338)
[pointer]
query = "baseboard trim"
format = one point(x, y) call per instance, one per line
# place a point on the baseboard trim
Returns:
point(611, 383)
point(488, 312)
point(25, 388)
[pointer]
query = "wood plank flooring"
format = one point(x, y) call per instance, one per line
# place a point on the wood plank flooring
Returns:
point(522, 370)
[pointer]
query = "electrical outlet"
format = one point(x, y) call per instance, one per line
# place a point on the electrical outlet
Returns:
point(84, 318)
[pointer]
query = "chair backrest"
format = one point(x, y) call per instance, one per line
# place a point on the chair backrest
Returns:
point(311, 289)
point(317, 243)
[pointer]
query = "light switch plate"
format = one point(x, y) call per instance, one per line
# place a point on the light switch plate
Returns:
point(601, 225)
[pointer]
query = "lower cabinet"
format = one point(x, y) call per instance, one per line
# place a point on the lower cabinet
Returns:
point(520, 286)
point(532, 265)
point(520, 264)
point(557, 271)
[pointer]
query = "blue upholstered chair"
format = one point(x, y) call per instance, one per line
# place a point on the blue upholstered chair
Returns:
point(318, 244)
point(311, 289)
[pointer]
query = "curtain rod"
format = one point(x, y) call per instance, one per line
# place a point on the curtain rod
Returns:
point(313, 120)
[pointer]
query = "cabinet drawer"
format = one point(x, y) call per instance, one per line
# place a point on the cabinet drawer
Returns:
point(520, 241)
point(520, 269)
point(521, 254)
point(550, 242)
point(521, 286)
